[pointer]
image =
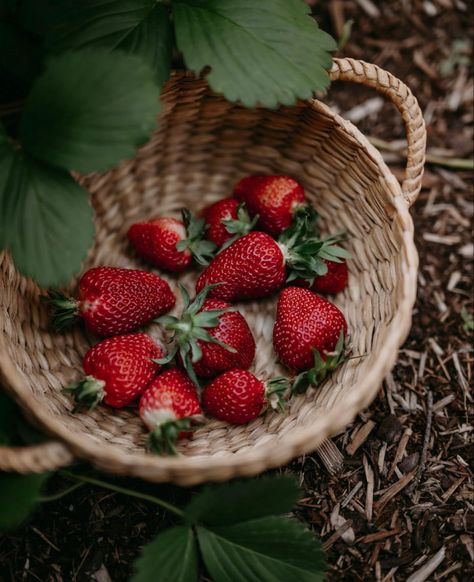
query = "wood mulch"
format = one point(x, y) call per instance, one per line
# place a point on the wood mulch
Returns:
point(401, 507)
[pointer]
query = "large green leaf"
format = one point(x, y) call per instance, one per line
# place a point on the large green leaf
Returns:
point(18, 496)
point(266, 52)
point(243, 500)
point(271, 549)
point(45, 217)
point(140, 27)
point(170, 557)
point(89, 110)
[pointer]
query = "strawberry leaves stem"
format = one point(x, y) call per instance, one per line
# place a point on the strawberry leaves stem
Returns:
point(88, 392)
point(202, 250)
point(65, 310)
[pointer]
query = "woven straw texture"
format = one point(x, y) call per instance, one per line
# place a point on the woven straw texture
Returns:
point(203, 146)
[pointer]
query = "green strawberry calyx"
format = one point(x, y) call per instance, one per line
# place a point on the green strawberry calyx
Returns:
point(162, 439)
point(239, 226)
point(323, 367)
point(65, 310)
point(191, 329)
point(305, 253)
point(202, 250)
point(274, 392)
point(88, 392)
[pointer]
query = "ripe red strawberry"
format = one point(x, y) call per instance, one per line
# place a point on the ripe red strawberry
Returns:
point(226, 220)
point(276, 199)
point(211, 336)
point(168, 407)
point(334, 281)
point(171, 244)
point(118, 369)
point(308, 335)
point(237, 396)
point(113, 301)
point(256, 266)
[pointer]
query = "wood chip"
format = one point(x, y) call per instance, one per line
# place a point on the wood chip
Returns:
point(369, 496)
point(359, 438)
point(393, 490)
point(447, 494)
point(337, 534)
point(467, 541)
point(428, 568)
point(402, 445)
point(380, 535)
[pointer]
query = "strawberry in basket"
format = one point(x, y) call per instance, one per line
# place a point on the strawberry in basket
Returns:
point(171, 244)
point(237, 396)
point(256, 265)
point(112, 301)
point(118, 369)
point(276, 200)
point(169, 407)
point(309, 335)
point(210, 338)
point(227, 220)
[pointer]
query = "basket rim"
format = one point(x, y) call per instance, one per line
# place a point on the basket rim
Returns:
point(191, 470)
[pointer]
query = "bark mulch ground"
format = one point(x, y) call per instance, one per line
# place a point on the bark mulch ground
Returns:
point(401, 508)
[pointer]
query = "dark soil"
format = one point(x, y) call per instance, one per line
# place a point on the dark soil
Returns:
point(371, 529)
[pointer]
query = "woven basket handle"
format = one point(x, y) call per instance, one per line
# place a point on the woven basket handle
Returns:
point(403, 99)
point(47, 456)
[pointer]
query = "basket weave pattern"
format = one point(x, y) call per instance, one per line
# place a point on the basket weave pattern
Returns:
point(203, 146)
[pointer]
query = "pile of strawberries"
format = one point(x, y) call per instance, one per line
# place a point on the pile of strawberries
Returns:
point(252, 245)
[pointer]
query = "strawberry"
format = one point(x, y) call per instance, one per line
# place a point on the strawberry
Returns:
point(226, 220)
point(308, 335)
point(275, 199)
point(237, 396)
point(112, 301)
point(168, 407)
point(118, 369)
point(334, 281)
point(211, 336)
point(171, 244)
point(256, 266)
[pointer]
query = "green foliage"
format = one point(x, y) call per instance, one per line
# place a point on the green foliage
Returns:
point(237, 501)
point(18, 496)
point(92, 119)
point(171, 556)
point(468, 320)
point(138, 27)
point(269, 549)
point(266, 52)
point(32, 197)
point(241, 537)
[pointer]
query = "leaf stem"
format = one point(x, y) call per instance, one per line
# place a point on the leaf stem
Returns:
point(60, 494)
point(124, 491)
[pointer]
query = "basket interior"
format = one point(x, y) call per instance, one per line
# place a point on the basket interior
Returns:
point(203, 145)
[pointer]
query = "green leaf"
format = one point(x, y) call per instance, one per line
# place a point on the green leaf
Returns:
point(18, 496)
point(271, 549)
point(139, 27)
point(243, 500)
point(45, 217)
point(266, 52)
point(171, 556)
point(89, 110)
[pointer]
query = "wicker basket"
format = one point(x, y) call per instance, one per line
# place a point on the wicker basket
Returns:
point(203, 145)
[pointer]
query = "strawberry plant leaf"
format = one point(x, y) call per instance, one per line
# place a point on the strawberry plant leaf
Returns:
point(138, 27)
point(268, 52)
point(18, 496)
point(171, 556)
point(89, 120)
point(243, 500)
point(270, 549)
point(45, 217)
